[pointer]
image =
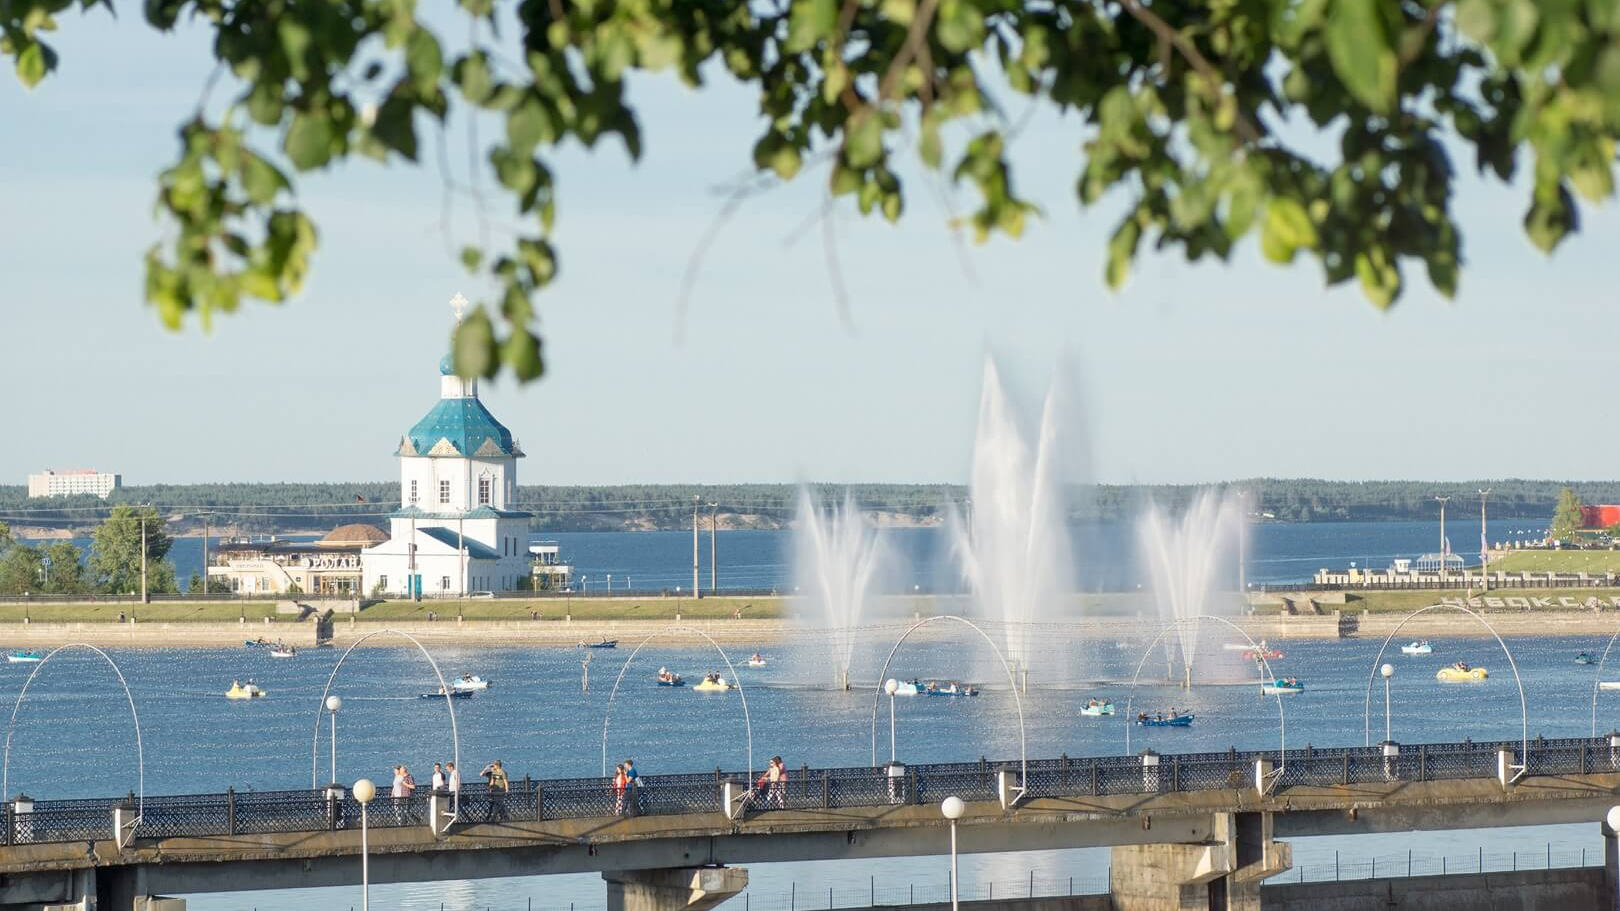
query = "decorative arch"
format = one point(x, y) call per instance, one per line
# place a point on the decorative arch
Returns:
point(607, 714)
point(1597, 684)
point(455, 734)
point(140, 750)
point(877, 694)
point(1524, 712)
point(1265, 665)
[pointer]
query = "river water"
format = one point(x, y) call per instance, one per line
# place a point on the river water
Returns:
point(1105, 555)
point(73, 735)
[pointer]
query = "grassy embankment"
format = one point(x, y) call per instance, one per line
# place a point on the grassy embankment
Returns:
point(158, 612)
point(1408, 601)
point(1558, 561)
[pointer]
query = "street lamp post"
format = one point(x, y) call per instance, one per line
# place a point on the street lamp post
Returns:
point(1445, 546)
point(610, 584)
point(891, 686)
point(1484, 546)
point(333, 703)
point(953, 808)
point(1387, 671)
point(364, 791)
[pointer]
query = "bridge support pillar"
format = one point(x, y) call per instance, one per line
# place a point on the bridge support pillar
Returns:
point(1222, 875)
point(680, 889)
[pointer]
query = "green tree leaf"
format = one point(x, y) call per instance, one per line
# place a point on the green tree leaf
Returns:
point(1287, 228)
point(810, 21)
point(310, 141)
point(1359, 45)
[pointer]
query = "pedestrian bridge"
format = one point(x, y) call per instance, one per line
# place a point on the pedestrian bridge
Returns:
point(1198, 820)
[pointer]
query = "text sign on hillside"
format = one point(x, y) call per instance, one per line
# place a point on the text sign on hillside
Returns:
point(1549, 603)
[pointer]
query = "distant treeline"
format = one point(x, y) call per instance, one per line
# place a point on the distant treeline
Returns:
point(271, 508)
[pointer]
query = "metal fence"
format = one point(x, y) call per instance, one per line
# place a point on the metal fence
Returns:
point(267, 812)
point(1396, 866)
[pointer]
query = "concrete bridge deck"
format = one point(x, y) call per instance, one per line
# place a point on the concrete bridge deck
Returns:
point(273, 840)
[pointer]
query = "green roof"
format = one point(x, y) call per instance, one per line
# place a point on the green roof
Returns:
point(468, 427)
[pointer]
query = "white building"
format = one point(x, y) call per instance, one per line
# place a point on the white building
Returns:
point(456, 530)
point(73, 483)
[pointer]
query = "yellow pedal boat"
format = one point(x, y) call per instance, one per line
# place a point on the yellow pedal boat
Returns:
point(238, 691)
point(712, 685)
point(1455, 674)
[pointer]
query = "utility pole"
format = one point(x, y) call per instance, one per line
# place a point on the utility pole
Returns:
point(205, 554)
point(1443, 545)
point(143, 555)
point(696, 592)
point(714, 559)
point(1484, 544)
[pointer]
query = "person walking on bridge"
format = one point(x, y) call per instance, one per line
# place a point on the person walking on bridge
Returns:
point(453, 778)
point(619, 782)
point(499, 784)
point(632, 787)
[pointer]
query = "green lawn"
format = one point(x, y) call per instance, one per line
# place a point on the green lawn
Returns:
point(1558, 561)
point(720, 607)
point(1408, 601)
point(160, 612)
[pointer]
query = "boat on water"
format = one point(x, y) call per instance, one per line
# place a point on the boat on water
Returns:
point(25, 657)
point(1586, 658)
point(605, 643)
point(908, 688)
point(1421, 647)
point(1264, 651)
point(256, 643)
point(1609, 685)
point(249, 691)
point(1159, 720)
point(469, 682)
point(713, 683)
point(284, 651)
point(453, 694)
point(667, 677)
point(1096, 708)
point(1460, 671)
point(934, 688)
point(757, 661)
point(1282, 685)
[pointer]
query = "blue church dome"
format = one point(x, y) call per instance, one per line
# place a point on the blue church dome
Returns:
point(466, 424)
point(447, 366)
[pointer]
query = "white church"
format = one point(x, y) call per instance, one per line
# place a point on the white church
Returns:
point(456, 530)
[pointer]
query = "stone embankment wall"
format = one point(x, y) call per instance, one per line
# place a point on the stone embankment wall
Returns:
point(1526, 890)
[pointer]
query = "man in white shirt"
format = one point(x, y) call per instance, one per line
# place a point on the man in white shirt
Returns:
point(438, 776)
point(454, 779)
point(399, 782)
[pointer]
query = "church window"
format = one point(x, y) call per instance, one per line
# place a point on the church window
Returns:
point(444, 491)
point(483, 491)
point(413, 490)
point(444, 583)
point(382, 582)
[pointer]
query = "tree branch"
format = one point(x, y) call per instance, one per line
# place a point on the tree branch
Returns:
point(1195, 57)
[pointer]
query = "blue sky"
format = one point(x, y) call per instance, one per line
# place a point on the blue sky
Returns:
point(1191, 373)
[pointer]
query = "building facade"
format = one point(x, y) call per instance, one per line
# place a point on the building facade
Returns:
point(330, 566)
point(74, 483)
point(458, 529)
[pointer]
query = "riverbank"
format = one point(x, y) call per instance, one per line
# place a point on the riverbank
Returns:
point(764, 633)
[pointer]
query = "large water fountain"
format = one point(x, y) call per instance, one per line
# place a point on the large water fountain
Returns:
point(1012, 546)
point(1191, 563)
point(838, 558)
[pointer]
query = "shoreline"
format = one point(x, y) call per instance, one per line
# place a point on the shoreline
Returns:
point(768, 632)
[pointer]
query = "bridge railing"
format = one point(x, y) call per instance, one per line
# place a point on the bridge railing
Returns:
point(269, 812)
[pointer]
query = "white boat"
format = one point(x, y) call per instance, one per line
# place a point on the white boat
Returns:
point(469, 682)
point(284, 651)
point(1609, 685)
point(29, 657)
point(1097, 709)
point(1236, 646)
point(1417, 648)
point(757, 661)
point(907, 688)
